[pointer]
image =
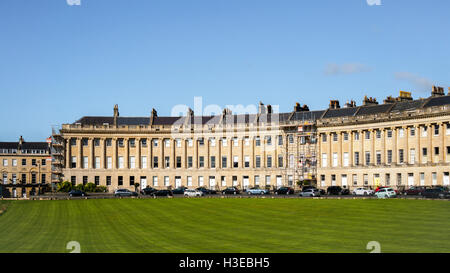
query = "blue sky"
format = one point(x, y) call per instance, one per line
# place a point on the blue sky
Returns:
point(60, 62)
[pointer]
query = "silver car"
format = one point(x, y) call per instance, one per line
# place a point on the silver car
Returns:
point(310, 193)
point(257, 191)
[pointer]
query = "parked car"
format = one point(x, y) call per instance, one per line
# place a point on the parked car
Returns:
point(310, 192)
point(414, 190)
point(124, 192)
point(384, 187)
point(148, 191)
point(206, 191)
point(257, 191)
point(362, 191)
point(193, 193)
point(438, 192)
point(179, 190)
point(337, 190)
point(76, 193)
point(321, 191)
point(284, 190)
point(162, 193)
point(386, 193)
point(231, 190)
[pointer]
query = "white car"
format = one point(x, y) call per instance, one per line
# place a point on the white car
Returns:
point(362, 191)
point(386, 193)
point(192, 193)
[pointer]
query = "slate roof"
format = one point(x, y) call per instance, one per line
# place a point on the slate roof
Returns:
point(297, 116)
point(25, 145)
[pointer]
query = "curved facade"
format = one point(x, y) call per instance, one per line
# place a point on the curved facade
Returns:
point(398, 143)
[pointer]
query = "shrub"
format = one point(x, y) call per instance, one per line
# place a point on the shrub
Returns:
point(90, 187)
point(79, 187)
point(101, 189)
point(64, 186)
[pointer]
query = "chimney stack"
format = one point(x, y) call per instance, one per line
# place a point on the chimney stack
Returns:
point(116, 114)
point(350, 104)
point(153, 115)
point(389, 99)
point(369, 101)
point(334, 104)
point(437, 91)
point(405, 96)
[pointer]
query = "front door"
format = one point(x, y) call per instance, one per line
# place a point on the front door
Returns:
point(410, 179)
point(344, 181)
point(177, 181)
point(446, 179)
point(246, 182)
point(143, 182)
point(279, 181)
point(212, 182)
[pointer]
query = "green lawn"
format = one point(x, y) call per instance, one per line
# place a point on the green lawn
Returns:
point(225, 225)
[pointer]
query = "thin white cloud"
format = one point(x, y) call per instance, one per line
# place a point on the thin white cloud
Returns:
point(422, 84)
point(333, 69)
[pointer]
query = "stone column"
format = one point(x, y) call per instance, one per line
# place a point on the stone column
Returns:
point(430, 143)
point(80, 153)
point(114, 156)
point(350, 156)
point(195, 159)
point(207, 159)
point(127, 153)
point(241, 141)
point(184, 153)
point(92, 155)
point(150, 154)
point(330, 151)
point(68, 154)
point(418, 152)
point(138, 153)
point(219, 154)
point(442, 146)
point(340, 150)
point(161, 160)
point(174, 158)
point(407, 159)
point(383, 146)
point(394, 148)
point(373, 152)
point(361, 152)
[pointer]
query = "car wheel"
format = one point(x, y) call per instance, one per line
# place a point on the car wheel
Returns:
point(234, 193)
point(365, 193)
point(70, 195)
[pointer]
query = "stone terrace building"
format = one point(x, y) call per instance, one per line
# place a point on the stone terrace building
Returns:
point(25, 167)
point(193, 151)
point(400, 141)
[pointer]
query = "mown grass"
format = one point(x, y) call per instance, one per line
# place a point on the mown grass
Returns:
point(225, 225)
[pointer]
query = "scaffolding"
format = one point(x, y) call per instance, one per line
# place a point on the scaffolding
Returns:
point(57, 152)
point(301, 153)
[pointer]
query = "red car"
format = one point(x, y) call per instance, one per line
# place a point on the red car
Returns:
point(414, 191)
